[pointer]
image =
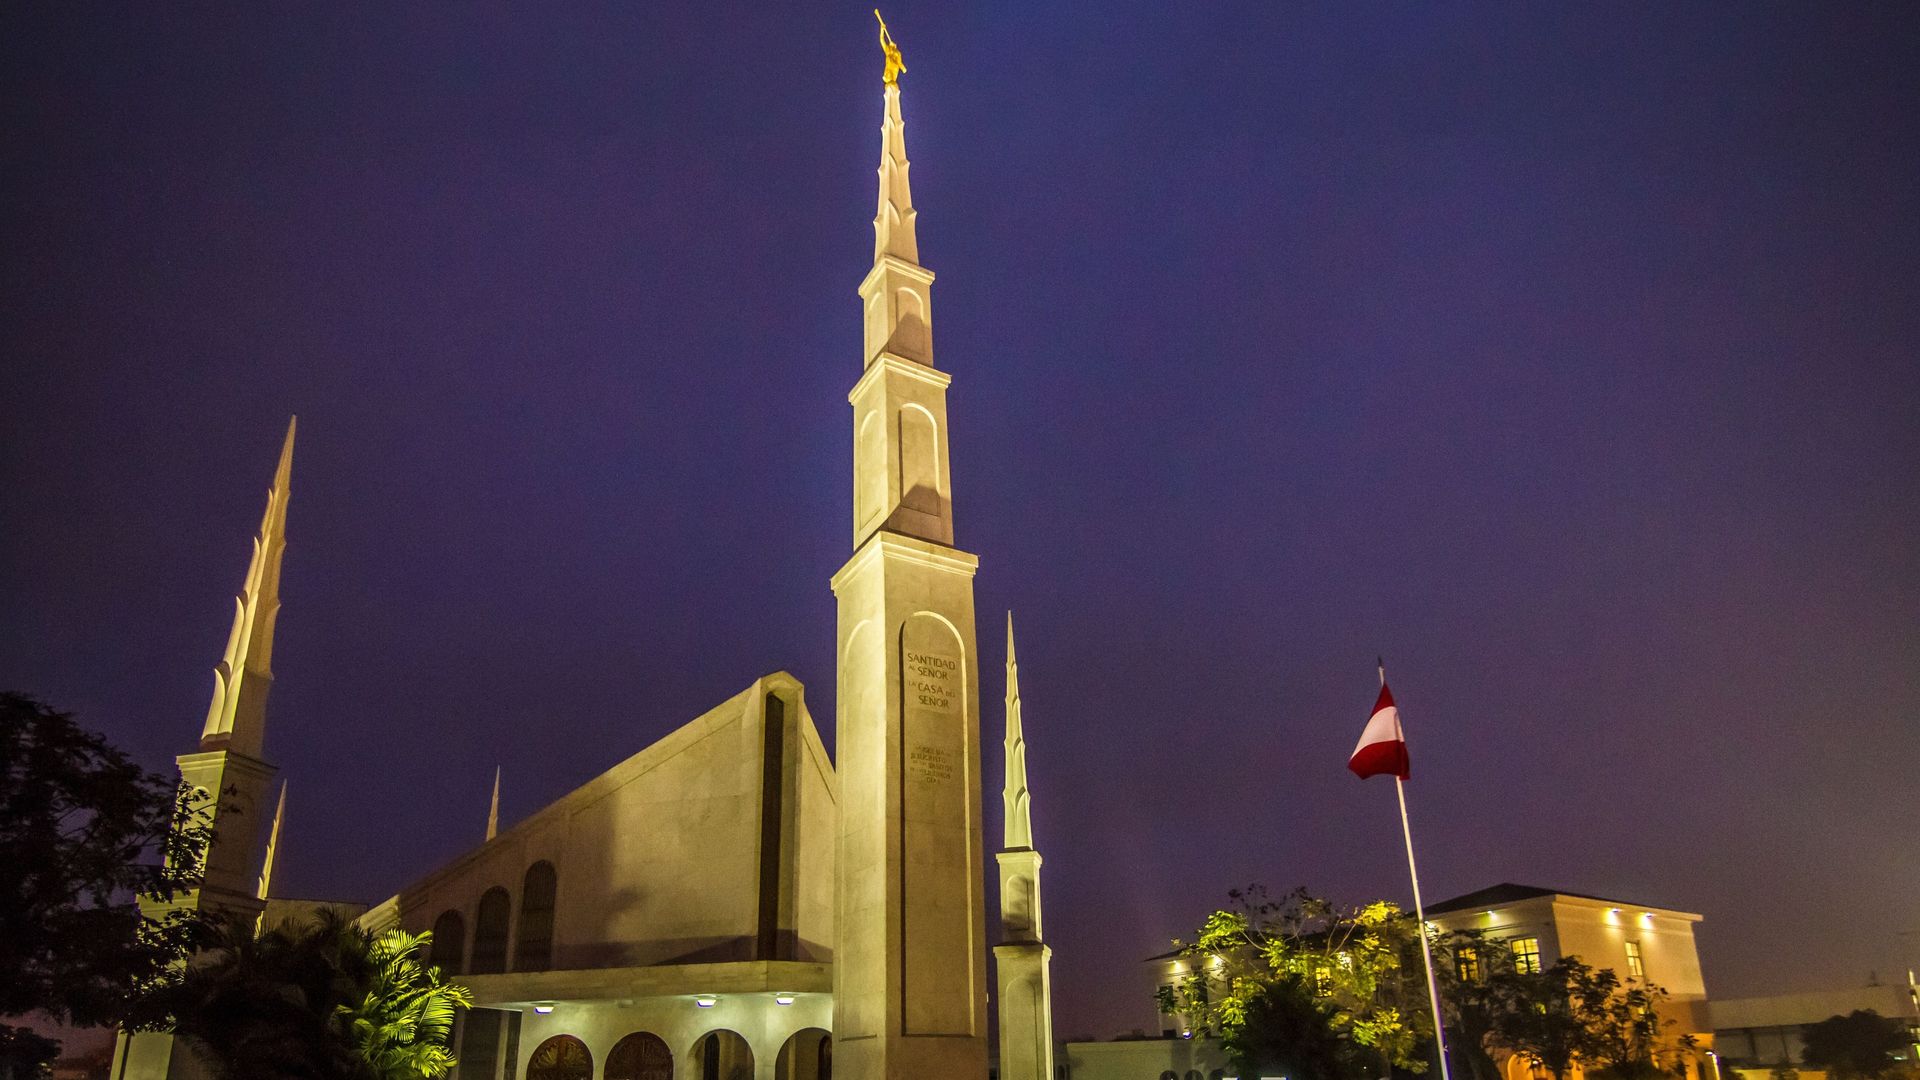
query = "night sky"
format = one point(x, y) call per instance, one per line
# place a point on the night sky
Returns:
point(1564, 356)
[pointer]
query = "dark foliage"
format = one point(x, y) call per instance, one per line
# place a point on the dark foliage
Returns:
point(1859, 1044)
point(84, 834)
point(269, 1006)
point(1289, 1031)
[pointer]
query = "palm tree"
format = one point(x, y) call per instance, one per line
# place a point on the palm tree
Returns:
point(318, 1000)
point(265, 1006)
point(401, 1025)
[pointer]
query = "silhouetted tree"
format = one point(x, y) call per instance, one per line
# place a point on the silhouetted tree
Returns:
point(84, 834)
point(1859, 1044)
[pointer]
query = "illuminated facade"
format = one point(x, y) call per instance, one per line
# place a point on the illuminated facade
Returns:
point(1646, 944)
point(729, 903)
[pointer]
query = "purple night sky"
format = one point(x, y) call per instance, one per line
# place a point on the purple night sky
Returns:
point(1566, 356)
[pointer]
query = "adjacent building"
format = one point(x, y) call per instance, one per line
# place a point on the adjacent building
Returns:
point(1639, 942)
point(1754, 1034)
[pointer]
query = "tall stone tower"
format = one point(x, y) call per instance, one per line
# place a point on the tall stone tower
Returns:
point(908, 976)
point(1022, 960)
point(229, 773)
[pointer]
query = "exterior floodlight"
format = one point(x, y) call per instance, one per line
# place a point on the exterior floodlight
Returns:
point(783, 999)
point(705, 1001)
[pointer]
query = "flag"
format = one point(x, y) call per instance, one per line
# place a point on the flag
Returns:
point(1383, 747)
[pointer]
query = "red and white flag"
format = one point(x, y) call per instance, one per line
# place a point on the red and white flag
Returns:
point(1383, 747)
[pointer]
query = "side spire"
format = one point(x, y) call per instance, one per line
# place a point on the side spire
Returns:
point(273, 844)
point(1019, 825)
point(493, 812)
point(893, 224)
point(237, 718)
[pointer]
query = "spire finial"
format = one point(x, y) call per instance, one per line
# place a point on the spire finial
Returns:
point(893, 223)
point(891, 76)
point(238, 715)
point(273, 843)
point(1018, 830)
point(493, 812)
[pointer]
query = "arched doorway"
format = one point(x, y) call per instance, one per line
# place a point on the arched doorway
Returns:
point(562, 1057)
point(640, 1056)
point(808, 1055)
point(721, 1055)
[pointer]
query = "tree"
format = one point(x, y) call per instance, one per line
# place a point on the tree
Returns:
point(318, 1000)
point(1288, 1031)
point(84, 833)
point(1571, 1013)
point(1860, 1044)
point(1536, 1014)
point(1360, 967)
point(402, 1024)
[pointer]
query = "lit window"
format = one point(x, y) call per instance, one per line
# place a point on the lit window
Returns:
point(1466, 964)
point(1634, 967)
point(1322, 979)
point(1526, 955)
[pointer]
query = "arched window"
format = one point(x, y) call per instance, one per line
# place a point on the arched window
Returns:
point(808, 1055)
point(449, 939)
point(1193, 1074)
point(562, 1057)
point(536, 919)
point(490, 932)
point(1169, 1075)
point(640, 1056)
point(722, 1055)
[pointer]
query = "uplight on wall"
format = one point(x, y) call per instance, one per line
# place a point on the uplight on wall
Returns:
point(783, 999)
point(705, 1001)
point(544, 1008)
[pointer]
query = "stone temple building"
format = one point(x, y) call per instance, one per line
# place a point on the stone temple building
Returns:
point(730, 903)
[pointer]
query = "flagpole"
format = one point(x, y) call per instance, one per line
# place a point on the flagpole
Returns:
point(1420, 914)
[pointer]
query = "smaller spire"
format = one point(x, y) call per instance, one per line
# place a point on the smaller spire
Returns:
point(273, 844)
point(238, 715)
point(493, 812)
point(1018, 832)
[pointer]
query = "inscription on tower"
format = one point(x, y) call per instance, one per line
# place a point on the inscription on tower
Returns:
point(933, 680)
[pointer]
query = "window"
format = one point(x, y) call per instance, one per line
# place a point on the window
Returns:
point(1526, 955)
point(1466, 964)
point(1634, 967)
point(449, 938)
point(562, 1057)
point(536, 919)
point(1322, 979)
point(640, 1056)
point(490, 932)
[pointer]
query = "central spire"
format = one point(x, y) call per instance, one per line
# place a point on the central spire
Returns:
point(237, 717)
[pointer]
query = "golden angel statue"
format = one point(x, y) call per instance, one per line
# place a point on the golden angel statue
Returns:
point(894, 64)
